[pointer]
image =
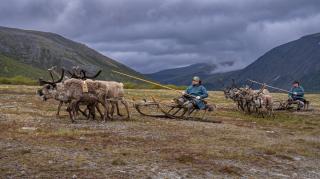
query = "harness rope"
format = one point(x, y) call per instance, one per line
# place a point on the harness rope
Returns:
point(157, 84)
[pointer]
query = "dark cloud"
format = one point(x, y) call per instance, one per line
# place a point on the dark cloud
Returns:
point(153, 35)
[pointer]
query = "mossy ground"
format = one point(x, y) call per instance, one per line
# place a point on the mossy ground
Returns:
point(36, 143)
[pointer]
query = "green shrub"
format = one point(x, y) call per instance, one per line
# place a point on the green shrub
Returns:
point(17, 80)
point(129, 85)
point(177, 87)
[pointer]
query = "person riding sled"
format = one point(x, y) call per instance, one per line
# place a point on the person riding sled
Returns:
point(194, 95)
point(296, 94)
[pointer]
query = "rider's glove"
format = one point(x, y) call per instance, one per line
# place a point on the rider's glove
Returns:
point(198, 97)
point(295, 93)
point(183, 92)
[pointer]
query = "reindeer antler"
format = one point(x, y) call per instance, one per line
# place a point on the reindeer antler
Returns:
point(61, 78)
point(50, 71)
point(83, 72)
point(74, 75)
point(42, 82)
point(262, 88)
point(234, 84)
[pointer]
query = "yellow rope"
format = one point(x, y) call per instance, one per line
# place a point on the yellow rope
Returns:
point(147, 81)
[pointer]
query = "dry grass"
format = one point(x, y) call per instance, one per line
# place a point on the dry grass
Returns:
point(242, 146)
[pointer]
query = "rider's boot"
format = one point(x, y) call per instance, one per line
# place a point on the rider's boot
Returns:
point(300, 105)
point(189, 107)
point(210, 108)
point(180, 101)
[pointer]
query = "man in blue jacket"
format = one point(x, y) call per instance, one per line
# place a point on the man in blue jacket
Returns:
point(296, 93)
point(193, 96)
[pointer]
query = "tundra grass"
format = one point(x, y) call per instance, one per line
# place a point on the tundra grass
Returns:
point(241, 146)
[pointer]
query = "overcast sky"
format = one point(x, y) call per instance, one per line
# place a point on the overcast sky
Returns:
point(150, 35)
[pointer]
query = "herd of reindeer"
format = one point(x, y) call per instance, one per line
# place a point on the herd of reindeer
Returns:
point(80, 89)
point(251, 101)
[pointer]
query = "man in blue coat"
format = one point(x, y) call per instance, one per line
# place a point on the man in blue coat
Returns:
point(193, 96)
point(296, 93)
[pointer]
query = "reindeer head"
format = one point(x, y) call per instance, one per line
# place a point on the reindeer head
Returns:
point(231, 92)
point(226, 92)
point(49, 89)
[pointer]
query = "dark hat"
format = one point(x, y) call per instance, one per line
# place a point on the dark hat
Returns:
point(296, 82)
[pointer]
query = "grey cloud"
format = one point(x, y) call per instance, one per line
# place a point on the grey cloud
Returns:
point(153, 35)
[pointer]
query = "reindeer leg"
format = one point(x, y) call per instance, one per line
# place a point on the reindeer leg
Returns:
point(93, 112)
point(238, 104)
point(99, 111)
point(248, 107)
point(71, 110)
point(118, 111)
point(125, 103)
point(75, 108)
point(272, 114)
point(59, 107)
point(262, 112)
point(82, 112)
point(89, 112)
point(242, 106)
point(112, 109)
point(106, 113)
point(70, 114)
point(106, 110)
point(270, 109)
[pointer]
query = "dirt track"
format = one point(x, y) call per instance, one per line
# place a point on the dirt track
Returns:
point(35, 143)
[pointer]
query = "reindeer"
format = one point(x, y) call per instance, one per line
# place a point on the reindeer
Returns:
point(78, 73)
point(71, 92)
point(235, 94)
point(116, 93)
point(57, 90)
point(263, 102)
point(246, 95)
point(104, 91)
point(249, 100)
point(51, 89)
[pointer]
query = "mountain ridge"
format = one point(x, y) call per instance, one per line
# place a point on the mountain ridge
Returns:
point(41, 50)
point(296, 60)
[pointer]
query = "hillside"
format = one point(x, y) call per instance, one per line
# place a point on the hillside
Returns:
point(30, 53)
point(182, 75)
point(296, 60)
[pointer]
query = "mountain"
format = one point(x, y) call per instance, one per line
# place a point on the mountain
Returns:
point(182, 75)
point(296, 60)
point(30, 53)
